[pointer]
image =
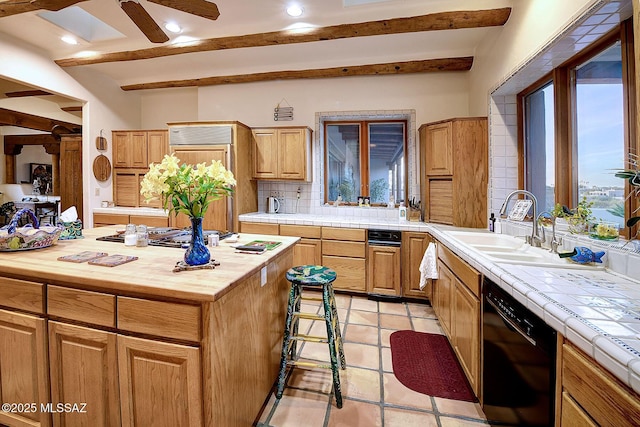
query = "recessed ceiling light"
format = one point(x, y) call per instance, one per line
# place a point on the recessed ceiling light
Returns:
point(173, 27)
point(294, 10)
point(69, 39)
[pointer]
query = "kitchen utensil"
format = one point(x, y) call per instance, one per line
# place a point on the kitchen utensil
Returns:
point(102, 168)
point(273, 205)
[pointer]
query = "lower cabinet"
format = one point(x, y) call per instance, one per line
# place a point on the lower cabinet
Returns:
point(456, 302)
point(591, 395)
point(344, 250)
point(24, 380)
point(100, 220)
point(160, 383)
point(308, 251)
point(413, 247)
point(384, 270)
point(84, 369)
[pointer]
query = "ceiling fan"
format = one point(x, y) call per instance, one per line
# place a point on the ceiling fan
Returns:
point(132, 8)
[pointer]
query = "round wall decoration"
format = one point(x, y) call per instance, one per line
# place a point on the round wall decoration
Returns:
point(102, 168)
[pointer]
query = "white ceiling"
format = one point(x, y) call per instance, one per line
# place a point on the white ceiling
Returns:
point(240, 17)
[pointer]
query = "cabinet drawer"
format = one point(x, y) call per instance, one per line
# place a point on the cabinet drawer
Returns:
point(602, 396)
point(306, 231)
point(150, 221)
point(84, 306)
point(22, 295)
point(337, 233)
point(259, 228)
point(467, 274)
point(350, 249)
point(351, 272)
point(102, 218)
point(164, 319)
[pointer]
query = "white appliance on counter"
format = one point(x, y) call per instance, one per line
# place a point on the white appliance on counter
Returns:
point(230, 143)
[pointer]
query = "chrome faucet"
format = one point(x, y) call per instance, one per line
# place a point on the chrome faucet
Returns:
point(534, 239)
point(554, 243)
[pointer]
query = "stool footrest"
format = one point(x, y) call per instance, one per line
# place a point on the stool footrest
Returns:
point(309, 338)
point(308, 316)
point(326, 365)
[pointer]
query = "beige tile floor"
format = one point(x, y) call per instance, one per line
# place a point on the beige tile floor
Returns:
point(372, 396)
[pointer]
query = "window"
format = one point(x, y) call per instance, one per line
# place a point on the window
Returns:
point(599, 135)
point(539, 145)
point(575, 129)
point(365, 158)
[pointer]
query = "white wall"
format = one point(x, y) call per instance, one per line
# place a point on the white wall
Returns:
point(106, 106)
point(434, 96)
point(531, 26)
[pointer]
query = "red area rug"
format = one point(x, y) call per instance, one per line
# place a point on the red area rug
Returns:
point(426, 363)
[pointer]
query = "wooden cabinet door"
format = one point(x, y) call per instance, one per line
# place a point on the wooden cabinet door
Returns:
point(121, 149)
point(307, 252)
point(439, 149)
point(351, 272)
point(384, 270)
point(413, 247)
point(160, 383)
point(71, 191)
point(24, 374)
point(572, 414)
point(157, 145)
point(265, 153)
point(126, 188)
point(442, 296)
point(84, 368)
point(217, 216)
point(292, 156)
point(138, 149)
point(466, 332)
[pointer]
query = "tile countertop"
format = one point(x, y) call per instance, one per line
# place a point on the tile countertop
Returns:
point(336, 221)
point(597, 310)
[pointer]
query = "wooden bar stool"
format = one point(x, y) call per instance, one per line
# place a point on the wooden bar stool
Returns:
point(312, 276)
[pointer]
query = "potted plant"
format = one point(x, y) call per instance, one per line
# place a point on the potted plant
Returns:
point(632, 175)
point(577, 220)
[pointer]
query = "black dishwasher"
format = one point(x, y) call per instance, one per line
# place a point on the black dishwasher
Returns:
point(519, 356)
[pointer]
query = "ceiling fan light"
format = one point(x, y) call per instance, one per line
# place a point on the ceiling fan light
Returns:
point(69, 39)
point(173, 27)
point(294, 10)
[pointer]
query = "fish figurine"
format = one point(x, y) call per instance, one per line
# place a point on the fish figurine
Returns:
point(583, 255)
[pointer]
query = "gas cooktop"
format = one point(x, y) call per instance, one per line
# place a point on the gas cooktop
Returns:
point(167, 237)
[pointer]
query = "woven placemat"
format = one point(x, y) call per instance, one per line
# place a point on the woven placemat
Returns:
point(183, 266)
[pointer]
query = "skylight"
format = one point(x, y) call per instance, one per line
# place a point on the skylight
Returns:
point(82, 24)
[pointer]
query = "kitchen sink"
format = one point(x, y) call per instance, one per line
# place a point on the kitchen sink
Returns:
point(502, 248)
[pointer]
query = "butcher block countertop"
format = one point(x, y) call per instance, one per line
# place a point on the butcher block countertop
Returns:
point(150, 275)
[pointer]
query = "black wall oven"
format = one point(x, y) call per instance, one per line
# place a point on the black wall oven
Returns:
point(519, 356)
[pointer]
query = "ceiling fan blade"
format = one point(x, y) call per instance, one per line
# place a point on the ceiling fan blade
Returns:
point(201, 8)
point(144, 21)
point(16, 7)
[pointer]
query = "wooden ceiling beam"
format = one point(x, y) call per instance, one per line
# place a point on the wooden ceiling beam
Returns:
point(30, 121)
point(430, 22)
point(428, 65)
point(23, 93)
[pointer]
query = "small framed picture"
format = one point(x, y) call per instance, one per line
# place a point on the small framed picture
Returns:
point(367, 201)
point(360, 200)
point(41, 176)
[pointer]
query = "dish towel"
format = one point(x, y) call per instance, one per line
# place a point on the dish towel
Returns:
point(428, 268)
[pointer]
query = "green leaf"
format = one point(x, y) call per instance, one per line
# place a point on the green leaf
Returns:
point(633, 221)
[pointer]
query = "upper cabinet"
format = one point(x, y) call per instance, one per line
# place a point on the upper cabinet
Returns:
point(282, 153)
point(454, 171)
point(139, 148)
point(133, 151)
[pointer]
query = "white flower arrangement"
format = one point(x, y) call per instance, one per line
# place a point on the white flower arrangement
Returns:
point(186, 188)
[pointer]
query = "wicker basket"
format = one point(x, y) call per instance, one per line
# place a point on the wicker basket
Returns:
point(13, 238)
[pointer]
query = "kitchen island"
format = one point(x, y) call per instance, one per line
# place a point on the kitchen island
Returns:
point(137, 344)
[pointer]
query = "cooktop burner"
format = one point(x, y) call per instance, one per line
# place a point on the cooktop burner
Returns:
point(167, 237)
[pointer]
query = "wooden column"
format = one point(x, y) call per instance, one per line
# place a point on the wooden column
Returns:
point(55, 172)
point(635, 145)
point(9, 168)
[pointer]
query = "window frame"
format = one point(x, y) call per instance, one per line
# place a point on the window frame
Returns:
point(364, 155)
point(566, 166)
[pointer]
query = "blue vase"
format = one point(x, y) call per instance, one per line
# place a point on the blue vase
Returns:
point(197, 253)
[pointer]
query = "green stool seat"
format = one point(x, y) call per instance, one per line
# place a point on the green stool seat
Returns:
point(312, 276)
